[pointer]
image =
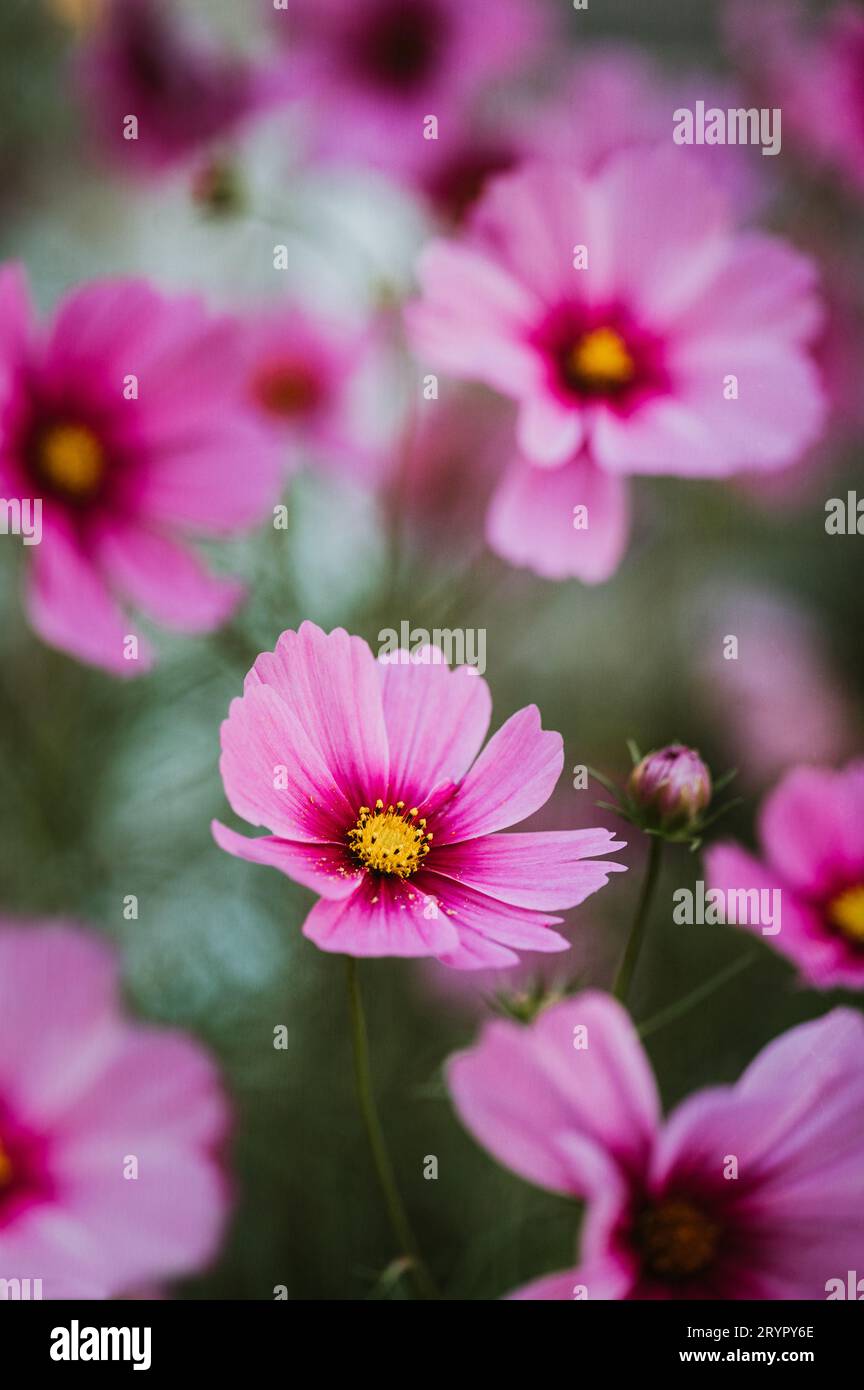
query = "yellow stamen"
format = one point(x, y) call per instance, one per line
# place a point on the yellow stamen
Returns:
point(846, 913)
point(71, 459)
point(389, 840)
point(677, 1239)
point(601, 359)
point(5, 1168)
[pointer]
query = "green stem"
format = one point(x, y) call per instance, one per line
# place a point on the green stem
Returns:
point(683, 1006)
point(405, 1238)
point(624, 977)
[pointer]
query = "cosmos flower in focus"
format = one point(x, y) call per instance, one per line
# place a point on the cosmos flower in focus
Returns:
point(370, 776)
point(811, 829)
point(84, 1096)
point(638, 333)
point(570, 1104)
point(372, 71)
point(125, 418)
point(185, 93)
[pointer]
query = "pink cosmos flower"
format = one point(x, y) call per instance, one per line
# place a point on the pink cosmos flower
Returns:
point(812, 833)
point(813, 70)
point(83, 1094)
point(368, 775)
point(304, 379)
point(620, 366)
point(372, 71)
point(748, 1191)
point(185, 94)
point(123, 477)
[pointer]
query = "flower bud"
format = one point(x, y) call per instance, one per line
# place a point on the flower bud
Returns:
point(672, 786)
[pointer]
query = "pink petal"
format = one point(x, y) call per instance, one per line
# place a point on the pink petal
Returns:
point(521, 1091)
point(331, 685)
point(545, 870)
point(665, 435)
point(824, 959)
point(762, 286)
point(120, 323)
point(780, 408)
point(478, 952)
point(508, 924)
point(262, 746)
point(559, 1288)
point(602, 1278)
point(534, 218)
point(812, 827)
point(165, 1223)
point(166, 580)
point(666, 254)
point(436, 722)
point(513, 777)
point(547, 431)
point(326, 869)
point(382, 917)
point(221, 480)
point(39, 1013)
point(531, 516)
point(474, 318)
point(70, 606)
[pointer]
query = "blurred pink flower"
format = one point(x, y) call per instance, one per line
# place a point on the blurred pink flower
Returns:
point(665, 1218)
point(813, 70)
point(83, 1092)
point(613, 309)
point(372, 71)
point(782, 693)
point(126, 419)
point(811, 829)
point(366, 772)
point(616, 97)
point(609, 97)
point(143, 61)
point(303, 375)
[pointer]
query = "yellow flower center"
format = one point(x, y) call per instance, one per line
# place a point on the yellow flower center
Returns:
point(677, 1239)
point(846, 913)
point(601, 360)
point(5, 1168)
point(389, 839)
point(71, 459)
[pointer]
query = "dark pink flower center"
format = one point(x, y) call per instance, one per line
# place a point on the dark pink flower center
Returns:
point(24, 1178)
point(677, 1239)
point(600, 354)
point(400, 44)
point(290, 388)
point(456, 186)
